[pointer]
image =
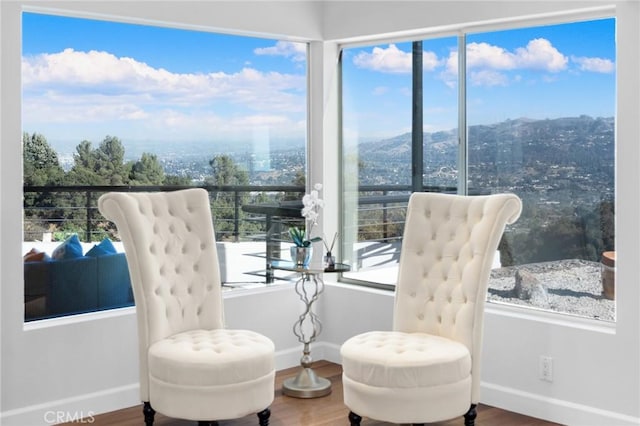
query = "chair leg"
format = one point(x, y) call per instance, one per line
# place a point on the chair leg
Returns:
point(470, 417)
point(354, 419)
point(149, 414)
point(263, 417)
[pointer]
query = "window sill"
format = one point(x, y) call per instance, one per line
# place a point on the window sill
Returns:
point(549, 317)
point(78, 318)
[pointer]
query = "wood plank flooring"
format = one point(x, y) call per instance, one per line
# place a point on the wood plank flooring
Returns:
point(325, 411)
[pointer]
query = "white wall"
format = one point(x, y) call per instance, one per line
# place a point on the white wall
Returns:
point(596, 367)
point(90, 364)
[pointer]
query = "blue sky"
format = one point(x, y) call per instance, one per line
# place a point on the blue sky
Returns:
point(542, 72)
point(85, 79)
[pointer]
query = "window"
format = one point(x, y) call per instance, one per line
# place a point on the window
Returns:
point(539, 108)
point(115, 106)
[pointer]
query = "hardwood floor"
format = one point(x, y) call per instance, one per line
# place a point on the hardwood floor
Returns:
point(325, 411)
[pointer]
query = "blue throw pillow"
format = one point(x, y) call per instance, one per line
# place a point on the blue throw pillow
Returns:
point(105, 247)
point(69, 249)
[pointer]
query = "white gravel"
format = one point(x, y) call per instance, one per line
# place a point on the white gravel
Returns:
point(571, 286)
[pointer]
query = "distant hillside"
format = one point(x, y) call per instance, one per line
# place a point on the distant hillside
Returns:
point(521, 146)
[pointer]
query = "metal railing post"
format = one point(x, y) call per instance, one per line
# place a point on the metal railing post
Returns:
point(385, 217)
point(236, 216)
point(88, 206)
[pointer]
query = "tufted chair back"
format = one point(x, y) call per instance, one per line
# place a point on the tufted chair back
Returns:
point(170, 247)
point(447, 252)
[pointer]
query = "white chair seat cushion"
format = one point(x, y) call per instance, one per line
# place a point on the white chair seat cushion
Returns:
point(393, 359)
point(211, 358)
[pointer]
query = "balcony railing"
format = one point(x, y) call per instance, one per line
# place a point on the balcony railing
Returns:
point(73, 209)
point(62, 210)
point(240, 215)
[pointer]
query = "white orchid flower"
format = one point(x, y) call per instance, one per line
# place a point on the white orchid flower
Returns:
point(312, 203)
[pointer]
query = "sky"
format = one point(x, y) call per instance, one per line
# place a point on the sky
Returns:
point(86, 79)
point(543, 72)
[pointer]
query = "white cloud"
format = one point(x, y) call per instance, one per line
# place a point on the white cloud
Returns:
point(296, 51)
point(389, 60)
point(488, 78)
point(599, 65)
point(537, 54)
point(430, 61)
point(540, 54)
point(488, 56)
point(489, 64)
point(73, 86)
point(393, 60)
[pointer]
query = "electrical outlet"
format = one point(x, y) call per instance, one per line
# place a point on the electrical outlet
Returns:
point(546, 368)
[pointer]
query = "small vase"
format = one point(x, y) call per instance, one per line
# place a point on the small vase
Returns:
point(329, 261)
point(301, 256)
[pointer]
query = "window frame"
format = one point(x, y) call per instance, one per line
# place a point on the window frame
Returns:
point(461, 31)
point(99, 313)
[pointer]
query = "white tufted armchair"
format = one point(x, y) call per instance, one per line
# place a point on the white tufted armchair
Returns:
point(191, 367)
point(427, 369)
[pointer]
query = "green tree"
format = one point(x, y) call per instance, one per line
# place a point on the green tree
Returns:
point(299, 179)
point(83, 171)
point(147, 171)
point(101, 166)
point(40, 162)
point(40, 168)
point(226, 172)
point(175, 180)
point(110, 164)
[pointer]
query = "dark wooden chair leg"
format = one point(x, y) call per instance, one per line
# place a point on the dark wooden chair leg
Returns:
point(149, 414)
point(470, 417)
point(354, 419)
point(263, 417)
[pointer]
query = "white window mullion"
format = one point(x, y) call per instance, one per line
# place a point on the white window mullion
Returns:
point(462, 115)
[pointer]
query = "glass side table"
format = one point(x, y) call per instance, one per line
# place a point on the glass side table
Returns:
point(308, 327)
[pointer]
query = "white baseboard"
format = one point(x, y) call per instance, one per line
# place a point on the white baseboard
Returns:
point(75, 408)
point(551, 409)
point(529, 404)
point(87, 405)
